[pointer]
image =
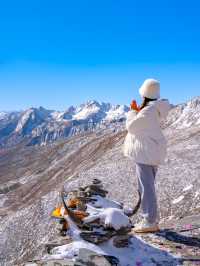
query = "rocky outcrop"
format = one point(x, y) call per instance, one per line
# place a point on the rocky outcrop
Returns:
point(91, 242)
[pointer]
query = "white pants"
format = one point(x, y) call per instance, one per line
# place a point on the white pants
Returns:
point(146, 185)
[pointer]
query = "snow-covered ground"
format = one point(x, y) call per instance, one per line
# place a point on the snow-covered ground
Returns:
point(138, 253)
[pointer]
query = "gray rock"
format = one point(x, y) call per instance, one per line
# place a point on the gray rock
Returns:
point(90, 258)
point(121, 241)
point(95, 190)
point(65, 262)
point(97, 237)
point(96, 181)
point(49, 246)
point(81, 206)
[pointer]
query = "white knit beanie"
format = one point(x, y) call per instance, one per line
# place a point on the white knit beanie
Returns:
point(150, 89)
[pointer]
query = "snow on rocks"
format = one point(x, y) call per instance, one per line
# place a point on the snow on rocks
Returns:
point(185, 190)
point(101, 202)
point(137, 251)
point(116, 113)
point(87, 111)
point(3, 115)
point(105, 234)
point(23, 120)
point(185, 115)
point(3, 199)
point(179, 199)
point(110, 218)
point(189, 187)
point(197, 193)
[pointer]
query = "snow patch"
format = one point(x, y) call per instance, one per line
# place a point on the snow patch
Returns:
point(86, 112)
point(57, 115)
point(2, 115)
point(3, 199)
point(179, 199)
point(116, 112)
point(110, 217)
point(23, 120)
point(138, 251)
point(188, 188)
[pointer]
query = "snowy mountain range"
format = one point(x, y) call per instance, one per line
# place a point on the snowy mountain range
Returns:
point(185, 115)
point(41, 126)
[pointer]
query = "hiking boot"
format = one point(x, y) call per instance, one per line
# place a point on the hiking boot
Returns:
point(145, 227)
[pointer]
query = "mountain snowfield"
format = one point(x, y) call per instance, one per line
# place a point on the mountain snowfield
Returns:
point(32, 176)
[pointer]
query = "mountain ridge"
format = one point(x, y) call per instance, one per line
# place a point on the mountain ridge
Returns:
point(40, 126)
point(44, 126)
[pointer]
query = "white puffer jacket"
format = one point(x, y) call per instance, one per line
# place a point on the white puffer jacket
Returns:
point(145, 142)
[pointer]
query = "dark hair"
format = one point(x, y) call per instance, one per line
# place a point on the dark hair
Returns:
point(145, 102)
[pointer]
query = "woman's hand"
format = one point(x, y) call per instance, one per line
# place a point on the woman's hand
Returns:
point(134, 106)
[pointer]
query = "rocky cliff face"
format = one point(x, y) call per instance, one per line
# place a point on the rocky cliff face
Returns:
point(31, 177)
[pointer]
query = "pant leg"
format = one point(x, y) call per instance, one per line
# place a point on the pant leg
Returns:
point(146, 184)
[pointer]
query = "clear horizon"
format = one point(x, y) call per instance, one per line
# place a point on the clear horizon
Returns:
point(60, 54)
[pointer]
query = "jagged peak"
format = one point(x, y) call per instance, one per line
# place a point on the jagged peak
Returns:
point(194, 102)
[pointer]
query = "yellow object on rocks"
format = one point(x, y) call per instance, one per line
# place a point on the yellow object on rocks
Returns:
point(57, 213)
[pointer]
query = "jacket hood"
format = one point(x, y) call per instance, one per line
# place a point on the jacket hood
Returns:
point(163, 106)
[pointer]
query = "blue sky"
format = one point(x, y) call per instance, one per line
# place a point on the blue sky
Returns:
point(58, 53)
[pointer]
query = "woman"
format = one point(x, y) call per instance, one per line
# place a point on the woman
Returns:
point(146, 145)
